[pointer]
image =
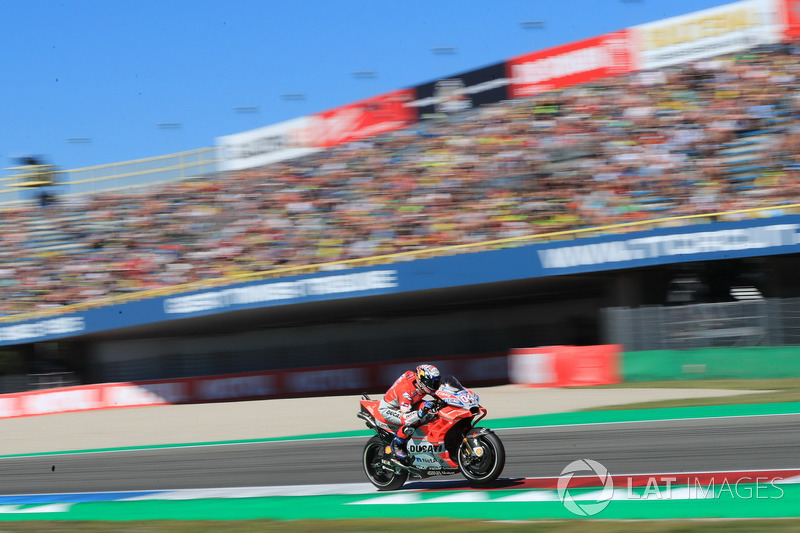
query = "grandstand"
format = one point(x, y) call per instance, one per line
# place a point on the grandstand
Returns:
point(618, 150)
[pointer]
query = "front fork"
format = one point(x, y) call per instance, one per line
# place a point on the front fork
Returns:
point(472, 445)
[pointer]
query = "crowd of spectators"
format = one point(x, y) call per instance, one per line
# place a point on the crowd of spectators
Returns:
point(630, 148)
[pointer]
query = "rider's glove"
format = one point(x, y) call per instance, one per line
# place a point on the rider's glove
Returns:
point(425, 414)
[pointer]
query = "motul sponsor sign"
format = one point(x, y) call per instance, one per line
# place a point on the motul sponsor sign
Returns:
point(571, 64)
point(254, 386)
point(366, 118)
point(707, 33)
point(328, 380)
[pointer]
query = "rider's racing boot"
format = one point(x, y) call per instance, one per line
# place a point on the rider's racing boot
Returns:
point(399, 450)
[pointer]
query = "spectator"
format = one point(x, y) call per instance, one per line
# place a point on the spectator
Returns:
point(639, 147)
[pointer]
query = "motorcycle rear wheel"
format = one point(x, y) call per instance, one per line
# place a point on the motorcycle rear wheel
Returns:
point(377, 475)
point(486, 468)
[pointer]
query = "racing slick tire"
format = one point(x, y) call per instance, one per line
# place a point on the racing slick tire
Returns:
point(488, 466)
point(372, 460)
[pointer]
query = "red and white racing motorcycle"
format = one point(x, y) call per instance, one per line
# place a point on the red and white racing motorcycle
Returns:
point(448, 444)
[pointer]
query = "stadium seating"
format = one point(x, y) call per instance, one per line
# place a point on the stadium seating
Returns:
point(618, 150)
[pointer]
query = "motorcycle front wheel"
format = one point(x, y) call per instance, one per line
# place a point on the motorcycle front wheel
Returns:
point(380, 477)
point(486, 467)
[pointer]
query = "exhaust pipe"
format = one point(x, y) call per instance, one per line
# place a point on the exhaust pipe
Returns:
point(368, 420)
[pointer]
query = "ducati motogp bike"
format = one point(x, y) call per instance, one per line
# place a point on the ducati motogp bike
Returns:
point(448, 444)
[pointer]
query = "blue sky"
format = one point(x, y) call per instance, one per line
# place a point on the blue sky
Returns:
point(112, 71)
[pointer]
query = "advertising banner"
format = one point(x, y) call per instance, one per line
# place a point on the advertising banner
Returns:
point(533, 366)
point(790, 17)
point(262, 146)
point(674, 245)
point(579, 366)
point(365, 118)
point(571, 64)
point(461, 92)
point(282, 291)
point(721, 30)
point(487, 369)
point(565, 366)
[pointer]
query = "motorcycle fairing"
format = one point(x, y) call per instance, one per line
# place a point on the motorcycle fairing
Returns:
point(432, 435)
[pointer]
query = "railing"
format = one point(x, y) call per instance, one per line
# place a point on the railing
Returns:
point(769, 322)
point(408, 256)
point(123, 175)
point(150, 171)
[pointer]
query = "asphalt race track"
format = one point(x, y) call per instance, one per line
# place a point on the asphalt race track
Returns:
point(746, 443)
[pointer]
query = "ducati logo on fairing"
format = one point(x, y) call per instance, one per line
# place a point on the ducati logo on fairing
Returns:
point(414, 448)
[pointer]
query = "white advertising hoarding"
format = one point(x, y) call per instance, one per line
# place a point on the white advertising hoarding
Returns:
point(262, 146)
point(721, 30)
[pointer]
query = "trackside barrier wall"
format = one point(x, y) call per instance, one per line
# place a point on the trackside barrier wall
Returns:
point(489, 369)
point(565, 366)
point(550, 366)
point(712, 363)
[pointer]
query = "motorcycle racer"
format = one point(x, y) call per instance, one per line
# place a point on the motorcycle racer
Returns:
point(401, 405)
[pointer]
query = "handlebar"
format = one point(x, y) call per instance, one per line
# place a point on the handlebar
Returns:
point(438, 403)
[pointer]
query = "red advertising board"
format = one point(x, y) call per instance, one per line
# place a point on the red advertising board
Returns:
point(588, 365)
point(365, 118)
point(565, 366)
point(571, 64)
point(790, 13)
point(368, 377)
